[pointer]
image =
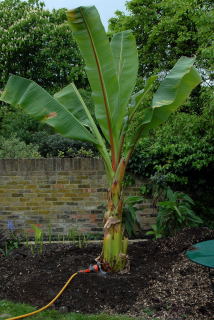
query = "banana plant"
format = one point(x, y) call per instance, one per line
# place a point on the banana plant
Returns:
point(112, 68)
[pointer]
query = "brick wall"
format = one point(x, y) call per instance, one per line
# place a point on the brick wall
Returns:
point(57, 194)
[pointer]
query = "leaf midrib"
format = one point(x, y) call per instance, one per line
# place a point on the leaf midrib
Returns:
point(106, 104)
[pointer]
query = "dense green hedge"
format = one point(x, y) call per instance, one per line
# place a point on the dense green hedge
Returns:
point(180, 154)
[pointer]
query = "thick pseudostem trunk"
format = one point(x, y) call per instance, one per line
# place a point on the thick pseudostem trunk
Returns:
point(114, 253)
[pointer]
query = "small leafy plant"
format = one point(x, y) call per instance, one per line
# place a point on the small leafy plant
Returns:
point(78, 238)
point(9, 245)
point(176, 213)
point(155, 232)
point(9, 240)
point(38, 239)
point(6, 250)
point(130, 221)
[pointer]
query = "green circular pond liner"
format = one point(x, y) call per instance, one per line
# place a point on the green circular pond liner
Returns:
point(202, 253)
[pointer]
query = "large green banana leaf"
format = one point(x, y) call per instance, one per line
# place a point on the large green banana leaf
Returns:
point(137, 98)
point(172, 93)
point(177, 85)
point(71, 99)
point(42, 106)
point(136, 103)
point(126, 60)
point(94, 45)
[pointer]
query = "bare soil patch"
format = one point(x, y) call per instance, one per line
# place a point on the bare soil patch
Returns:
point(161, 279)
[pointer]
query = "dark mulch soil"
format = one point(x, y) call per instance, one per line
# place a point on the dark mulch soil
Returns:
point(161, 279)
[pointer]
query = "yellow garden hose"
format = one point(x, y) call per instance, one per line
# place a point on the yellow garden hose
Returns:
point(49, 304)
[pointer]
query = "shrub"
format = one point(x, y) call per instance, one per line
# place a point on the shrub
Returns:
point(175, 213)
point(180, 154)
point(14, 122)
point(58, 146)
point(13, 148)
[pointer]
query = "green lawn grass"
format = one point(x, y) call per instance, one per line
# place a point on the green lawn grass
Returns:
point(10, 309)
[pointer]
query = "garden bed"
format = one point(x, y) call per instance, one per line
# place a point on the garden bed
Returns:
point(162, 282)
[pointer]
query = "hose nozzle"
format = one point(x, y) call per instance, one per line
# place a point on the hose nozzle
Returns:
point(93, 268)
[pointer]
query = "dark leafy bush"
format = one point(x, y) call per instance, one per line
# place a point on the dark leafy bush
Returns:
point(16, 122)
point(58, 146)
point(175, 213)
point(180, 154)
